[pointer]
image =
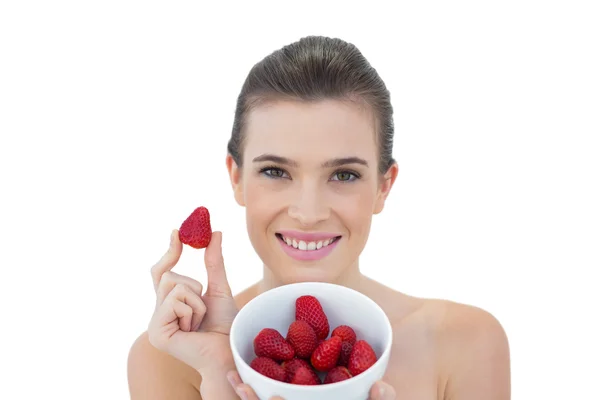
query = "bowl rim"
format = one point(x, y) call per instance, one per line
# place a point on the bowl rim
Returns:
point(310, 388)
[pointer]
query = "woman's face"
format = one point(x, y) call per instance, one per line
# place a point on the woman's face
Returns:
point(310, 186)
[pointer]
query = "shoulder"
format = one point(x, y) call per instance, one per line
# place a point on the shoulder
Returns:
point(153, 374)
point(466, 322)
point(472, 331)
point(474, 350)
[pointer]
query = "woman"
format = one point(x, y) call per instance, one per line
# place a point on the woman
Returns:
point(310, 158)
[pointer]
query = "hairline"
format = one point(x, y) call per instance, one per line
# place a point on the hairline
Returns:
point(268, 99)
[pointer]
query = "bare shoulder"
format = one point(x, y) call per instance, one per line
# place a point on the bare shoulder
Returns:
point(466, 322)
point(474, 350)
point(153, 374)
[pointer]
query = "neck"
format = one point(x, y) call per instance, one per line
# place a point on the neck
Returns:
point(351, 278)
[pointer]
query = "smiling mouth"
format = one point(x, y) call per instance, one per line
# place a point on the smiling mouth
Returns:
point(307, 246)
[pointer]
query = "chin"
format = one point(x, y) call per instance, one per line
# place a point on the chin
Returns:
point(289, 273)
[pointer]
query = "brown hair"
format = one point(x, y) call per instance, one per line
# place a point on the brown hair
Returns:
point(312, 69)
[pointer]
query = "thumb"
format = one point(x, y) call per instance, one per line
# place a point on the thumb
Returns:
point(382, 391)
point(218, 286)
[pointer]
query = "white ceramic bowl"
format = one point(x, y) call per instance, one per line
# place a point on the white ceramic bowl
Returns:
point(276, 309)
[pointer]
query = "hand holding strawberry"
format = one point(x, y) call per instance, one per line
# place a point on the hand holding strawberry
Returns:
point(187, 324)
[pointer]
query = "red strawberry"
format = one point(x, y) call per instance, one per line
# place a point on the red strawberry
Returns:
point(361, 358)
point(345, 333)
point(270, 343)
point(309, 309)
point(326, 356)
point(268, 367)
point(305, 376)
point(303, 338)
point(345, 354)
point(195, 230)
point(337, 374)
point(291, 366)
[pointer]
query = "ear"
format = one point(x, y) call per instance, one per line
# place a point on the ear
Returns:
point(235, 176)
point(385, 186)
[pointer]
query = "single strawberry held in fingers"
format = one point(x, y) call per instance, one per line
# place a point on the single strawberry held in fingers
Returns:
point(268, 367)
point(196, 231)
point(361, 358)
point(309, 309)
point(270, 343)
point(303, 338)
point(326, 356)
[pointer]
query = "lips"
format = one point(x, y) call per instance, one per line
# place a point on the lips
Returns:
point(306, 244)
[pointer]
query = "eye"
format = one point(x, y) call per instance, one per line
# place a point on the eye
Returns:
point(274, 172)
point(345, 176)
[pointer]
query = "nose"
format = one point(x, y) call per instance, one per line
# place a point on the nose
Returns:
point(309, 208)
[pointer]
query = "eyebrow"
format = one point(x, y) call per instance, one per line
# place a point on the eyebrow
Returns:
point(336, 162)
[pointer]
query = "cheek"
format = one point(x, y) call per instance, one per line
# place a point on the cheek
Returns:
point(261, 203)
point(355, 209)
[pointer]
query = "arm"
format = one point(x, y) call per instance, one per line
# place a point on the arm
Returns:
point(480, 361)
point(155, 375)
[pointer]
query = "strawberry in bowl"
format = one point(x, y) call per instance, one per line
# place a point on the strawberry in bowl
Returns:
point(311, 340)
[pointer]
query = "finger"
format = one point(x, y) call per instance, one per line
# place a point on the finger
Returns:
point(382, 391)
point(174, 310)
point(234, 379)
point(243, 390)
point(236, 383)
point(218, 286)
point(168, 260)
point(183, 294)
point(166, 322)
point(184, 313)
point(171, 279)
point(246, 392)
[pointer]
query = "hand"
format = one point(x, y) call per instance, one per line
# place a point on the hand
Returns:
point(192, 327)
point(379, 391)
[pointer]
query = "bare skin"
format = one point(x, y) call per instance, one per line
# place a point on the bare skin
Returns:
point(429, 336)
point(312, 168)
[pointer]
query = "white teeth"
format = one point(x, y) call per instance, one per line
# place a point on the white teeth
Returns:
point(307, 246)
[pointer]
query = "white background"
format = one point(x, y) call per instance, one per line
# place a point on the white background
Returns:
point(114, 119)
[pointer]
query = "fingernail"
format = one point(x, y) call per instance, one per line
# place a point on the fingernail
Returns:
point(381, 390)
point(172, 237)
point(231, 380)
point(242, 393)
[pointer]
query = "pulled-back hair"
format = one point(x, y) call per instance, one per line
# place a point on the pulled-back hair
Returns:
point(312, 69)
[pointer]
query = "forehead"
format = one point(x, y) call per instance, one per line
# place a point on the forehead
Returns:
point(311, 130)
